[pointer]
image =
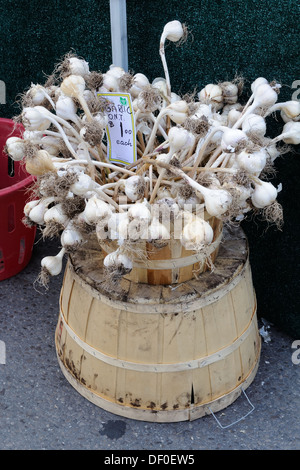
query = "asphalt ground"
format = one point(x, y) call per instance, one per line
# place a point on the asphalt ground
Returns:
point(40, 410)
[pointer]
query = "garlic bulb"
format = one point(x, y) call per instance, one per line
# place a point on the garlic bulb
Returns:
point(30, 205)
point(173, 31)
point(56, 214)
point(229, 92)
point(253, 163)
point(71, 237)
point(53, 264)
point(40, 164)
point(231, 138)
point(73, 85)
point(140, 81)
point(217, 201)
point(134, 187)
point(180, 138)
point(14, 147)
point(157, 231)
point(140, 210)
point(291, 133)
point(83, 184)
point(34, 120)
point(37, 211)
point(290, 111)
point(254, 124)
point(232, 117)
point(177, 111)
point(196, 233)
point(66, 108)
point(50, 144)
point(117, 260)
point(96, 209)
point(264, 194)
point(259, 81)
point(211, 94)
point(78, 66)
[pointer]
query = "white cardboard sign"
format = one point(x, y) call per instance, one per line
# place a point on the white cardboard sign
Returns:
point(120, 131)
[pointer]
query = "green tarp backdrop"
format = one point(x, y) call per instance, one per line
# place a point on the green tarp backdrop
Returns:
point(251, 38)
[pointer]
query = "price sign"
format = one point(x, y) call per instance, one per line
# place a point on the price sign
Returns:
point(120, 131)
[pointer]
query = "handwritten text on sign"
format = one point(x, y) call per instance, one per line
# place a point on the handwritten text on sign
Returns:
point(120, 131)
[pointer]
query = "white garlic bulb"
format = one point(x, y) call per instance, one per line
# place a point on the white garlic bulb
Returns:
point(212, 94)
point(140, 210)
point(56, 214)
point(253, 163)
point(53, 264)
point(118, 260)
point(78, 66)
point(231, 138)
point(83, 184)
point(255, 124)
point(134, 187)
point(96, 209)
point(264, 194)
point(71, 237)
point(14, 147)
point(196, 234)
point(158, 231)
point(173, 31)
point(140, 81)
point(35, 120)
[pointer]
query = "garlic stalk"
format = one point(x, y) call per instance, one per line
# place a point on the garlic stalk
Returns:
point(173, 31)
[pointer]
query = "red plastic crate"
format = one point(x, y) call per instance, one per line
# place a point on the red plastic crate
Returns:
point(16, 240)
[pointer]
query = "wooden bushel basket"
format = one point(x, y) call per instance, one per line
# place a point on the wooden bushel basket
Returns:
point(162, 353)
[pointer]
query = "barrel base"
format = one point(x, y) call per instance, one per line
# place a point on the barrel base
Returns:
point(189, 414)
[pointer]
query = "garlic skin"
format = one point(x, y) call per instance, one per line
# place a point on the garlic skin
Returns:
point(264, 194)
point(196, 234)
point(53, 264)
point(14, 147)
point(36, 94)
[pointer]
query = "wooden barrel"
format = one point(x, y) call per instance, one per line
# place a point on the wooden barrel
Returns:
point(172, 263)
point(162, 353)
